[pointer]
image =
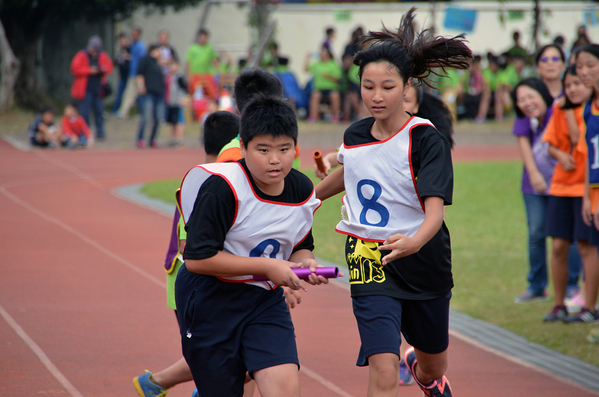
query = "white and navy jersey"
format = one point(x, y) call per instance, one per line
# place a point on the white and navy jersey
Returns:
point(376, 206)
point(386, 184)
point(591, 120)
point(224, 210)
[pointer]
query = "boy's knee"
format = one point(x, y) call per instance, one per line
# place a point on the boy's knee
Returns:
point(384, 371)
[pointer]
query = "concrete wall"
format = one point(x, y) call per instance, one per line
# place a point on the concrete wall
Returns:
point(301, 26)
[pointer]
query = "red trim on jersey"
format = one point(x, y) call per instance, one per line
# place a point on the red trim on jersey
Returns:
point(275, 202)
point(391, 137)
point(310, 228)
point(358, 237)
point(226, 180)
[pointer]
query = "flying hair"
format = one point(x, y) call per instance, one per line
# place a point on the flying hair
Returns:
point(414, 54)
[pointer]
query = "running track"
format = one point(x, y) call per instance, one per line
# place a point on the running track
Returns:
point(82, 296)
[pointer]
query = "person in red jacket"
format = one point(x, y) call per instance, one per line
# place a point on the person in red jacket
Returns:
point(90, 68)
point(75, 127)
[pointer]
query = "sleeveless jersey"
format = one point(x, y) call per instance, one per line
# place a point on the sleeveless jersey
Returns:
point(591, 120)
point(261, 228)
point(381, 197)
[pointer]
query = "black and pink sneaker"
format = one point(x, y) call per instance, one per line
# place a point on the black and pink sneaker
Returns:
point(436, 388)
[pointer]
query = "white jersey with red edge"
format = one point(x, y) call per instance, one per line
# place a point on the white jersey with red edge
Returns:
point(381, 197)
point(261, 228)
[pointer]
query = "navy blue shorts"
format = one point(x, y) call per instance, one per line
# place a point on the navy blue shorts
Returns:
point(593, 236)
point(175, 115)
point(564, 219)
point(382, 319)
point(230, 328)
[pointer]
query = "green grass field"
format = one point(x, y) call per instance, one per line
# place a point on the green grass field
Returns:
point(488, 232)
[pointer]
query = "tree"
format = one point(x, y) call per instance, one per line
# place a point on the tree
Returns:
point(26, 21)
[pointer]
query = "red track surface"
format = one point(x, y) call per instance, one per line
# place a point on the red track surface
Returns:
point(82, 297)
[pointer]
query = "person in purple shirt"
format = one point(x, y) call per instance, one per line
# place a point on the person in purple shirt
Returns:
point(533, 109)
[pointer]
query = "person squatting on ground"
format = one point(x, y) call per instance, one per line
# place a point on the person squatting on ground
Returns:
point(75, 127)
point(43, 131)
point(397, 174)
point(239, 219)
point(564, 206)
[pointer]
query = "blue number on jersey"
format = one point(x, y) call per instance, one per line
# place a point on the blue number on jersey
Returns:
point(261, 248)
point(371, 204)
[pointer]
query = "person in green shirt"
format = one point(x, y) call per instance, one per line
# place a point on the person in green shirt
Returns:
point(327, 76)
point(491, 92)
point(201, 62)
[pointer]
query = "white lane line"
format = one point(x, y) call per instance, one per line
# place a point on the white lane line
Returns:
point(40, 354)
point(87, 178)
point(82, 236)
point(329, 385)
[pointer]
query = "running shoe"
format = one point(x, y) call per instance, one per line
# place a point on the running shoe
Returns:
point(584, 316)
point(154, 144)
point(530, 296)
point(146, 388)
point(405, 376)
point(141, 144)
point(436, 388)
point(559, 313)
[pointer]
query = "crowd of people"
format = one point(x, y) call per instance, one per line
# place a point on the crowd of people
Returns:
point(557, 133)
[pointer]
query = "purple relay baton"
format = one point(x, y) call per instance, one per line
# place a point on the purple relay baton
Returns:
point(304, 272)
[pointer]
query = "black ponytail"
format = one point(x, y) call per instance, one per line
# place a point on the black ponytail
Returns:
point(413, 54)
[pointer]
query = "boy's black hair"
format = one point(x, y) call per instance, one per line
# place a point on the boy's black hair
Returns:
point(266, 115)
point(537, 85)
point(74, 103)
point(203, 31)
point(330, 31)
point(254, 82)
point(47, 109)
point(219, 129)
point(153, 47)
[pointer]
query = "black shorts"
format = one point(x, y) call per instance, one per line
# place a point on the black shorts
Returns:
point(230, 328)
point(593, 236)
point(382, 319)
point(174, 115)
point(564, 219)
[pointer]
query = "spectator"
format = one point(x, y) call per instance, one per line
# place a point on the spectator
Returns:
point(533, 108)
point(582, 39)
point(517, 49)
point(200, 67)
point(327, 75)
point(90, 68)
point(167, 52)
point(473, 85)
point(490, 97)
point(122, 60)
point(176, 99)
point(151, 87)
point(138, 51)
point(43, 131)
point(354, 43)
point(75, 127)
point(328, 41)
point(353, 107)
point(550, 61)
